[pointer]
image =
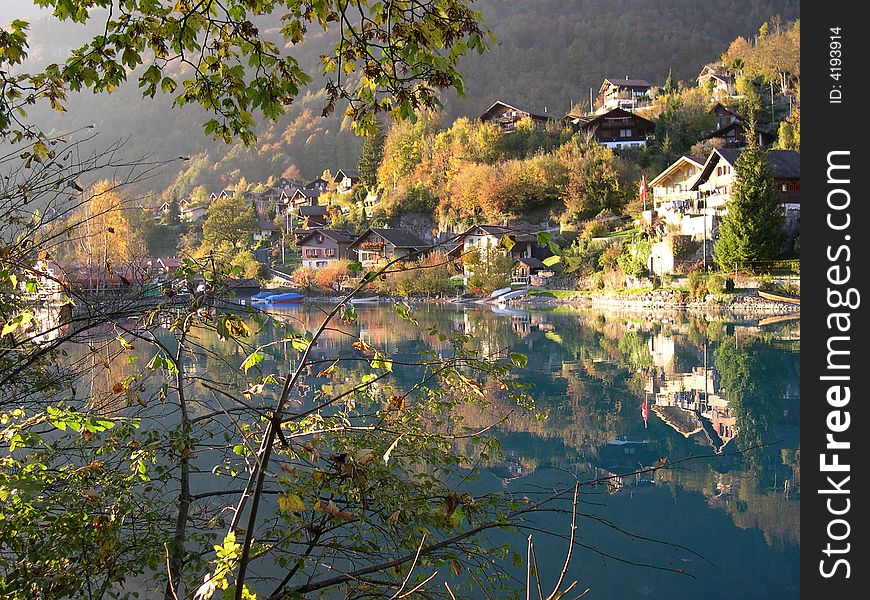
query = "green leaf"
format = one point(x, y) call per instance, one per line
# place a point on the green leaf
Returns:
point(519, 359)
point(348, 314)
point(544, 238)
point(507, 242)
point(403, 311)
point(552, 260)
point(254, 358)
point(355, 267)
point(380, 361)
point(300, 343)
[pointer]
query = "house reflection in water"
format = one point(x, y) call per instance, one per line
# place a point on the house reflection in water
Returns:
point(690, 402)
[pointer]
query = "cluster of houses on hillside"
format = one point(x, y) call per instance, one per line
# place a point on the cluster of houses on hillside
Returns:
point(377, 246)
point(288, 196)
point(688, 198)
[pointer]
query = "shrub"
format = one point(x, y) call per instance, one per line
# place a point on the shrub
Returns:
point(716, 283)
point(331, 276)
point(765, 283)
point(304, 277)
point(593, 229)
point(697, 282)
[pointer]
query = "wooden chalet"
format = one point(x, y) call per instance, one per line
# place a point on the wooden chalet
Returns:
point(724, 115)
point(304, 197)
point(530, 271)
point(674, 184)
point(627, 93)
point(318, 184)
point(715, 184)
point(619, 128)
point(321, 247)
point(487, 237)
point(378, 246)
point(723, 82)
point(346, 179)
point(312, 217)
point(734, 135)
point(506, 116)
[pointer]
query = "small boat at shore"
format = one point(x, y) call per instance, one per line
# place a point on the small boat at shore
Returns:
point(273, 298)
point(778, 298)
point(288, 298)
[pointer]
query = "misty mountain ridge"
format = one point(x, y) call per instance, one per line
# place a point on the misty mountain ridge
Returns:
point(549, 54)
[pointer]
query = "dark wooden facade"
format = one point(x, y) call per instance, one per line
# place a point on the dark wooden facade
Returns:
point(506, 116)
point(619, 128)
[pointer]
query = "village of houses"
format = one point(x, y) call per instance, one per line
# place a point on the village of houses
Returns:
point(689, 197)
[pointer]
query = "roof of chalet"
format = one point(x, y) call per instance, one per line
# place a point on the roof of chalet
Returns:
point(626, 82)
point(307, 193)
point(523, 235)
point(579, 119)
point(610, 114)
point(684, 159)
point(682, 421)
point(766, 136)
point(397, 237)
point(718, 71)
point(313, 211)
point(785, 164)
point(535, 112)
point(350, 173)
point(532, 263)
point(727, 109)
point(337, 235)
point(266, 225)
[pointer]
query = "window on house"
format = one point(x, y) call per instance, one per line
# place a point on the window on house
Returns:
point(329, 252)
point(625, 133)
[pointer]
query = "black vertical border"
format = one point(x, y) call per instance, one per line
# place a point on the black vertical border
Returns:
point(827, 127)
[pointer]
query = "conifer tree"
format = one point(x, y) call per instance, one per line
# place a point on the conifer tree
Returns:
point(751, 230)
point(370, 158)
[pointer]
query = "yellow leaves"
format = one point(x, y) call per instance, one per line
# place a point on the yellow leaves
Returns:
point(291, 503)
point(125, 344)
point(330, 371)
point(396, 403)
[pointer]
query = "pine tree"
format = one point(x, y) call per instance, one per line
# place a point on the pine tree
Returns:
point(370, 158)
point(751, 230)
point(670, 86)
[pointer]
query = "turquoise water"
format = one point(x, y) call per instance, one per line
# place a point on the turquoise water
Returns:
point(621, 393)
point(715, 399)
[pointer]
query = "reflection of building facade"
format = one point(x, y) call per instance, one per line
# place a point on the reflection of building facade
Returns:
point(690, 403)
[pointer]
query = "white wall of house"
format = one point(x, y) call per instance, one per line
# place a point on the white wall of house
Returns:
point(193, 214)
point(481, 242)
point(628, 144)
point(661, 258)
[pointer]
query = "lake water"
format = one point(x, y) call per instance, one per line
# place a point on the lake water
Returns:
point(622, 393)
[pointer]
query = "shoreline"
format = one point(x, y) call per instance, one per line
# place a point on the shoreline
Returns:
point(741, 304)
